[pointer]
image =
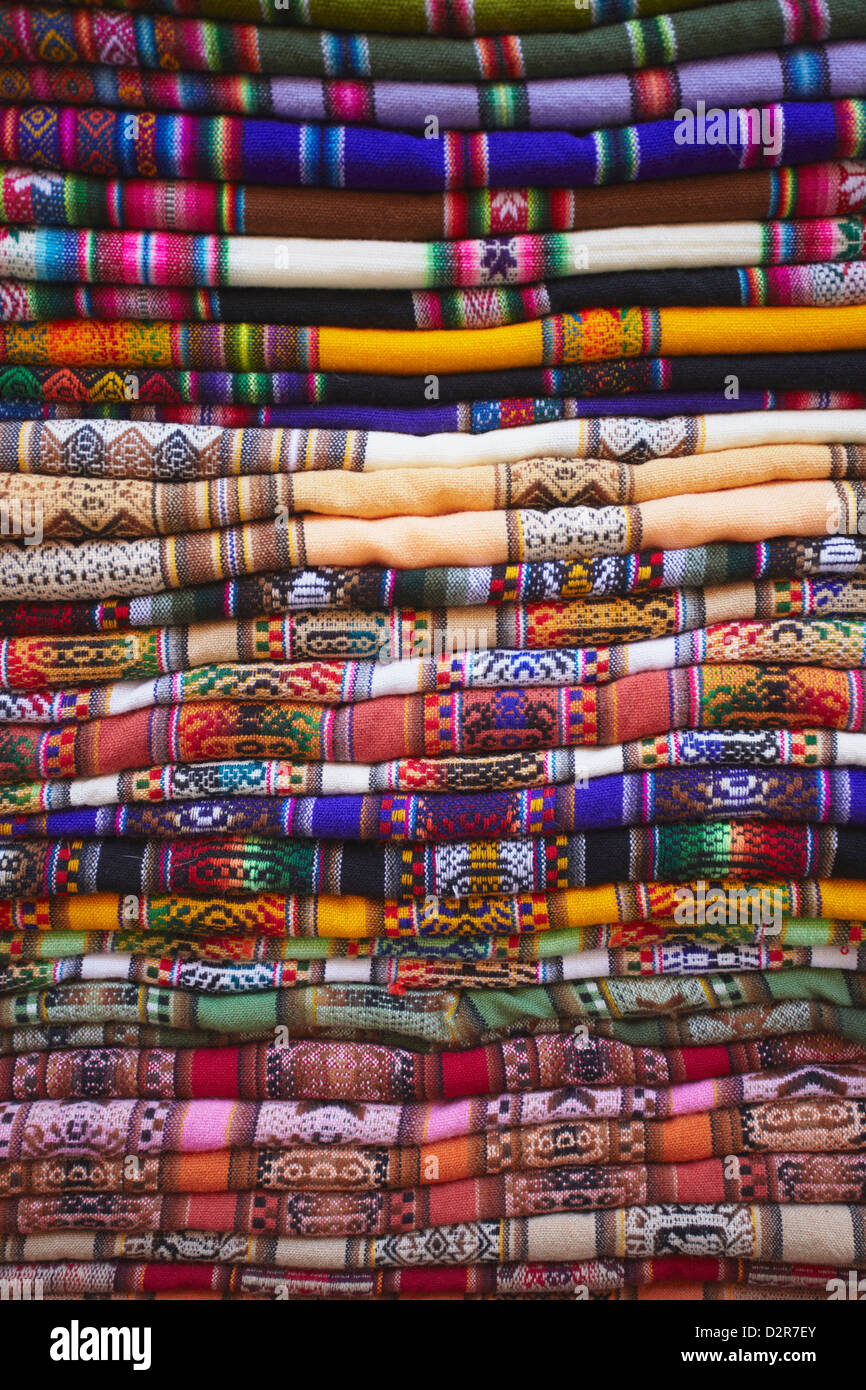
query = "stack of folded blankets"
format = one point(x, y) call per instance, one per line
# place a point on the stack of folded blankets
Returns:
point(432, 648)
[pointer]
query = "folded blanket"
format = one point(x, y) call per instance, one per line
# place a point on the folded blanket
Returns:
point(354, 918)
point(653, 702)
point(420, 973)
point(724, 1025)
point(173, 453)
point(231, 866)
point(671, 1277)
point(339, 587)
point(216, 1130)
point(618, 944)
point(413, 16)
point(177, 258)
point(77, 509)
point(835, 644)
point(431, 652)
point(119, 143)
point(593, 335)
point(804, 1179)
point(760, 747)
point(624, 385)
point(804, 73)
point(437, 1017)
point(147, 40)
point(60, 198)
point(316, 1072)
point(31, 387)
point(669, 794)
point(86, 571)
point(795, 286)
point(807, 1236)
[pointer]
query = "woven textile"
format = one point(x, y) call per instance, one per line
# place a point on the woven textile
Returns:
point(177, 258)
point(472, 774)
point(749, 1108)
point(306, 1078)
point(64, 199)
point(419, 973)
point(110, 448)
point(147, 41)
point(63, 570)
point(440, 1017)
point(629, 1280)
point(535, 395)
point(592, 335)
point(321, 1071)
point(835, 644)
point(353, 919)
point(467, 417)
point(31, 664)
point(722, 1026)
point(759, 1231)
point(645, 948)
point(445, 885)
point(452, 869)
point(653, 702)
point(99, 140)
point(75, 509)
point(838, 796)
point(398, 16)
point(459, 587)
point(803, 286)
point(795, 1178)
point(802, 73)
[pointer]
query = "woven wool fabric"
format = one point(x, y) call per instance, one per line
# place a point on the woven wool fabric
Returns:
point(837, 796)
point(171, 452)
point(835, 644)
point(435, 1017)
point(177, 258)
point(800, 286)
point(148, 41)
point(794, 1178)
point(532, 394)
point(791, 1235)
point(802, 73)
point(63, 570)
point(75, 509)
point(55, 198)
point(668, 1277)
point(105, 141)
point(317, 1072)
point(217, 1126)
point(421, 973)
point(235, 865)
point(653, 702)
point(811, 748)
point(30, 385)
point(654, 947)
point(459, 587)
point(358, 918)
point(628, 948)
point(416, 651)
point(222, 1142)
point(467, 417)
point(779, 1019)
point(398, 16)
point(592, 335)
